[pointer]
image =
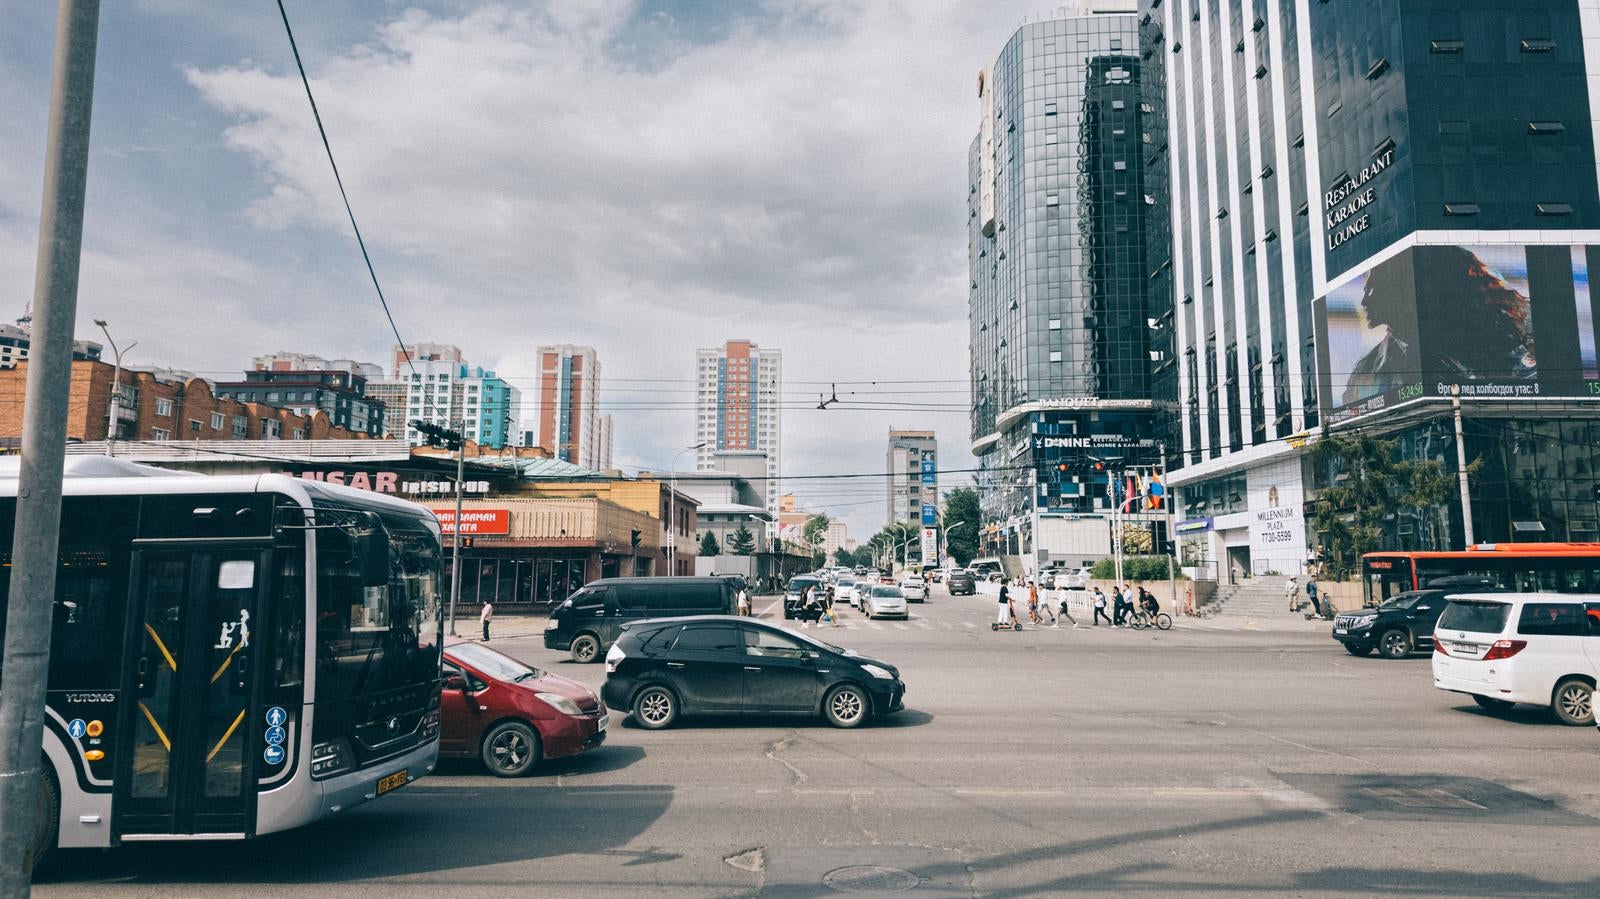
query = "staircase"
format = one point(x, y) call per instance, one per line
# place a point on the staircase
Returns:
point(1253, 598)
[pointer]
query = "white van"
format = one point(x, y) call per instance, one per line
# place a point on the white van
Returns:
point(1506, 648)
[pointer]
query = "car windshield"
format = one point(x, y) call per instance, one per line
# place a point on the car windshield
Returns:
point(804, 638)
point(493, 664)
point(847, 582)
point(800, 583)
point(1403, 601)
point(891, 592)
point(1476, 616)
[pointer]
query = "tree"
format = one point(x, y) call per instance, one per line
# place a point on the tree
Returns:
point(741, 542)
point(962, 511)
point(1365, 489)
point(845, 557)
point(813, 533)
point(708, 545)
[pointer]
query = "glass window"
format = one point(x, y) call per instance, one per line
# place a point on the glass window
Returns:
point(758, 641)
point(711, 638)
point(1552, 619)
point(1476, 617)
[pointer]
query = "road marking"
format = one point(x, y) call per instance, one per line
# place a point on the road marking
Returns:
point(901, 627)
point(875, 625)
point(774, 604)
point(968, 624)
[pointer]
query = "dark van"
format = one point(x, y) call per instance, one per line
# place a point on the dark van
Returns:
point(587, 623)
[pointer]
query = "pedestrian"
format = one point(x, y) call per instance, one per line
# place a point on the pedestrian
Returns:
point(1311, 593)
point(1124, 605)
point(1100, 608)
point(1291, 591)
point(486, 616)
point(1005, 605)
point(1061, 607)
point(1033, 602)
point(744, 603)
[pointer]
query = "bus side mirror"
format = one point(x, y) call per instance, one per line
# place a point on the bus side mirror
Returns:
point(372, 550)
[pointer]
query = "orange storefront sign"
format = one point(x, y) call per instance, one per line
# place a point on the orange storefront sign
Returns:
point(475, 521)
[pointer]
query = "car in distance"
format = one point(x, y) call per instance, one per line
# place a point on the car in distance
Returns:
point(587, 622)
point(717, 665)
point(510, 715)
point(793, 591)
point(1400, 625)
point(961, 583)
point(914, 587)
point(846, 590)
point(885, 601)
point(1536, 648)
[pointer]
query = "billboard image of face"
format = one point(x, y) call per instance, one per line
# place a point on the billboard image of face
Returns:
point(1585, 313)
point(1372, 334)
point(1474, 314)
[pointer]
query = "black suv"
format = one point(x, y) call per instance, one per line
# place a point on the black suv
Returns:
point(659, 670)
point(961, 582)
point(1404, 623)
point(797, 585)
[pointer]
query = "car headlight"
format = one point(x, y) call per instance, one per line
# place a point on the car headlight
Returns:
point(875, 671)
point(552, 623)
point(560, 703)
point(1363, 622)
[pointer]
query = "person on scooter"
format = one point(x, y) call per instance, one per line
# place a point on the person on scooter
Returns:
point(1007, 613)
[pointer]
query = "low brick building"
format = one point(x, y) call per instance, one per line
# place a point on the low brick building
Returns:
point(157, 407)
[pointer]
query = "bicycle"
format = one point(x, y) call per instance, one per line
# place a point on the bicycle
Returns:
point(1141, 620)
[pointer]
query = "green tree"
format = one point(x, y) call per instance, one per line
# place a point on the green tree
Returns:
point(741, 542)
point(962, 511)
point(845, 557)
point(813, 533)
point(709, 546)
point(1364, 488)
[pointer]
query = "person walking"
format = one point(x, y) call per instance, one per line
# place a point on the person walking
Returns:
point(486, 616)
point(1291, 592)
point(1099, 603)
point(1061, 609)
point(1311, 593)
point(744, 603)
point(1033, 602)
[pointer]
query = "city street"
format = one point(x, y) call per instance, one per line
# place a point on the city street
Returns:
point(1203, 760)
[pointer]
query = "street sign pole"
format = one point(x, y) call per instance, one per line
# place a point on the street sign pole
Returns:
point(34, 550)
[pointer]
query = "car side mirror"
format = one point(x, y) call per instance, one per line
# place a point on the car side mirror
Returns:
point(810, 655)
point(455, 682)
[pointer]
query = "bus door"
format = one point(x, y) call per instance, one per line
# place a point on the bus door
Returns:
point(194, 730)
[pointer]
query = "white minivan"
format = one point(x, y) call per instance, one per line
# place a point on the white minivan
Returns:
point(1506, 648)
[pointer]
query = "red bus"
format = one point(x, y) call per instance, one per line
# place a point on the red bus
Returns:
point(1548, 567)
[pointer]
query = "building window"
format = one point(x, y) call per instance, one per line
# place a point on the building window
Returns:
point(1553, 208)
point(299, 434)
point(195, 426)
point(1538, 45)
point(1055, 355)
point(160, 434)
point(216, 421)
point(1461, 209)
point(1546, 127)
point(1446, 46)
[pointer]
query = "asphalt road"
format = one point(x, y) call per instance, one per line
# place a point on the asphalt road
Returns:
point(1198, 761)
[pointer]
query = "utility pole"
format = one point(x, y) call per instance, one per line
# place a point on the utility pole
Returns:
point(116, 385)
point(1172, 538)
point(1461, 467)
point(455, 538)
point(34, 550)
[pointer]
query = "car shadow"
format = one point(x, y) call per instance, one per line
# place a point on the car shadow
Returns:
point(607, 758)
point(893, 720)
point(1530, 715)
point(419, 830)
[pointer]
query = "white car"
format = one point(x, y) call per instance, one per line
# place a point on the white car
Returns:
point(1506, 648)
point(847, 589)
point(914, 587)
point(885, 602)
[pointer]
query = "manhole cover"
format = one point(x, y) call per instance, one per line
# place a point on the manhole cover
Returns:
point(870, 879)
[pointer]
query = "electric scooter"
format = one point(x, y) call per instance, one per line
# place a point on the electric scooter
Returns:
point(1016, 623)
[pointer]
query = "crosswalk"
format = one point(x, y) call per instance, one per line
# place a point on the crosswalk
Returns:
point(914, 623)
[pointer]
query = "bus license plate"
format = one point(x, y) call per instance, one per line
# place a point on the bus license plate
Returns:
point(394, 781)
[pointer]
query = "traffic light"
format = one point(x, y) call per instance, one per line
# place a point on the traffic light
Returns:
point(433, 435)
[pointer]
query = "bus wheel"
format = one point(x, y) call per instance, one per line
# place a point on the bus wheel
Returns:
point(511, 749)
point(585, 648)
point(45, 826)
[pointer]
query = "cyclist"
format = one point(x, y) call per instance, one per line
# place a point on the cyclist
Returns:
point(1149, 606)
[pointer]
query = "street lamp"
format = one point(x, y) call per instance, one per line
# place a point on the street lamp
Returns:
point(672, 509)
point(944, 533)
point(116, 385)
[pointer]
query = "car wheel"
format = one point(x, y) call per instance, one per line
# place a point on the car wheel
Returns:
point(846, 706)
point(655, 708)
point(43, 845)
point(1573, 702)
point(1394, 644)
point(1357, 650)
point(585, 648)
point(1492, 704)
point(511, 749)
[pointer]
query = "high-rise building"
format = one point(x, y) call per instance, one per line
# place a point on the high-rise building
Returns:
point(907, 451)
point(1062, 355)
point(569, 392)
point(738, 391)
point(338, 392)
point(1374, 206)
point(433, 383)
point(602, 453)
point(285, 360)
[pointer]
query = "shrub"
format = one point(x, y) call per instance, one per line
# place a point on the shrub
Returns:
point(1134, 568)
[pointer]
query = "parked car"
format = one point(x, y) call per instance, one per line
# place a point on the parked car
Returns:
point(961, 583)
point(914, 587)
point(1537, 648)
point(885, 602)
point(587, 623)
point(1405, 622)
point(513, 716)
point(661, 670)
point(792, 593)
point(846, 591)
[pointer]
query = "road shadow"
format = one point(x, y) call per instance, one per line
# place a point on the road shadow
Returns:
point(416, 831)
point(893, 720)
point(1530, 715)
point(606, 759)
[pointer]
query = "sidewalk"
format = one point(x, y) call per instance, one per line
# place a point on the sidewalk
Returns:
point(508, 626)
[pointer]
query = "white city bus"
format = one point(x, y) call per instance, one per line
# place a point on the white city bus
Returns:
point(230, 656)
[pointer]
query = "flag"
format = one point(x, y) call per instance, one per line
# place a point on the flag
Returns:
point(1154, 492)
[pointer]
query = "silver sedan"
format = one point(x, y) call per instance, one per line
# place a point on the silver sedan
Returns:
point(885, 602)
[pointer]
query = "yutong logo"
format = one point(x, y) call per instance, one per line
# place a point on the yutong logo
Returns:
point(1343, 203)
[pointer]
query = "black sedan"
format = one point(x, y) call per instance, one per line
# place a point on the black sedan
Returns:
point(723, 665)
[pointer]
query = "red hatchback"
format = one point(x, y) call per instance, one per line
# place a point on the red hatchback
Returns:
point(512, 715)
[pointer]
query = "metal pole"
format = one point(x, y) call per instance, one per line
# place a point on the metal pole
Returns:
point(1172, 539)
point(1116, 523)
point(34, 549)
point(1461, 466)
point(455, 537)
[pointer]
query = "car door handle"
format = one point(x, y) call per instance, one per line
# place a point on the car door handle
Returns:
point(674, 664)
point(752, 668)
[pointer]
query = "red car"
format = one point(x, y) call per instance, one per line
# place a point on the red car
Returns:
point(512, 715)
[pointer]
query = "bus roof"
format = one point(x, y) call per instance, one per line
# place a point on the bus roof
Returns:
point(1479, 550)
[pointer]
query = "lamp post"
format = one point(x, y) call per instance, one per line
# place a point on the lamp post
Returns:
point(672, 510)
point(116, 385)
point(944, 534)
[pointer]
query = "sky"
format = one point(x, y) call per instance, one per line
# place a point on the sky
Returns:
point(645, 177)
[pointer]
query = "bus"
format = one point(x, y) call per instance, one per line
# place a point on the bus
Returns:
point(230, 656)
point(1526, 567)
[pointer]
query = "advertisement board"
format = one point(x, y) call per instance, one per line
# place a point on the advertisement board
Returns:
point(930, 546)
point(1494, 320)
point(476, 522)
